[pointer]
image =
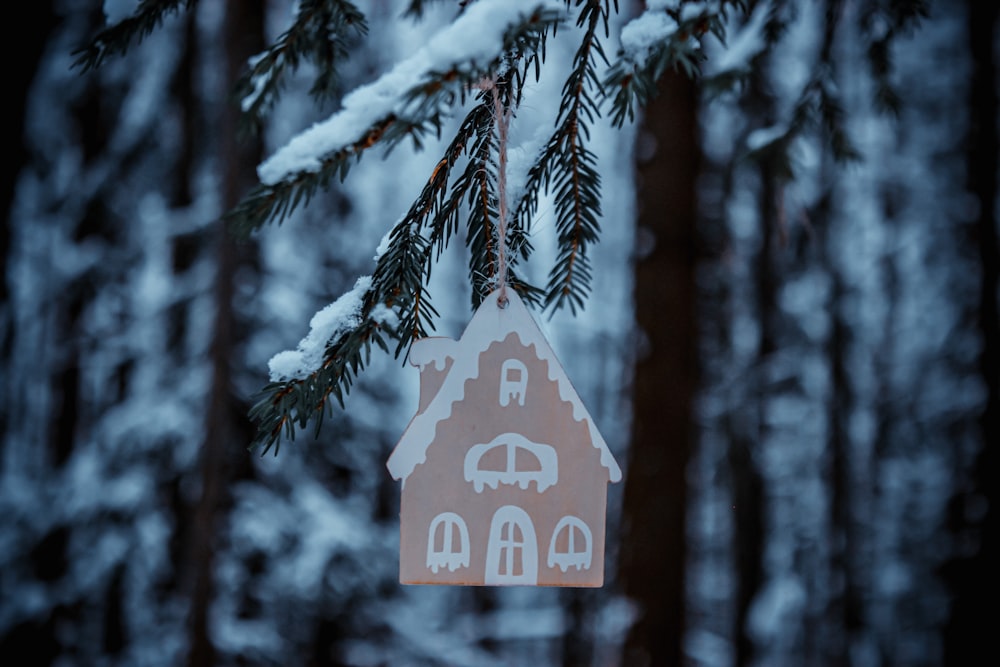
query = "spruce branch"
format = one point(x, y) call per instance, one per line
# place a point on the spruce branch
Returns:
point(817, 110)
point(483, 213)
point(416, 7)
point(632, 79)
point(396, 287)
point(274, 203)
point(568, 166)
point(398, 283)
point(420, 110)
point(484, 181)
point(394, 305)
point(115, 40)
point(321, 34)
point(400, 278)
point(285, 406)
point(880, 23)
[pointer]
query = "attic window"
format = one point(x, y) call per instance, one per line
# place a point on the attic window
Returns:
point(447, 543)
point(510, 458)
point(513, 381)
point(572, 544)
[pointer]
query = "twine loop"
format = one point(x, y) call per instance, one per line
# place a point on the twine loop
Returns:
point(501, 121)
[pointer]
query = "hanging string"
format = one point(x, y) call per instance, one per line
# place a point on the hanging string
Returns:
point(501, 120)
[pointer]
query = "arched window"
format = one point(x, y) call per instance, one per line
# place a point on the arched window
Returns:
point(513, 381)
point(510, 458)
point(512, 553)
point(572, 544)
point(447, 542)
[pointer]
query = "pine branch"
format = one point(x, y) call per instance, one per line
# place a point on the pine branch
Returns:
point(568, 165)
point(416, 7)
point(880, 23)
point(321, 34)
point(117, 39)
point(818, 108)
point(285, 406)
point(642, 60)
point(397, 288)
point(483, 213)
point(400, 278)
point(437, 209)
point(398, 283)
point(274, 203)
point(420, 110)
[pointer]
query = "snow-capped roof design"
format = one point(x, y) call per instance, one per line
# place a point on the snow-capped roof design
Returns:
point(489, 324)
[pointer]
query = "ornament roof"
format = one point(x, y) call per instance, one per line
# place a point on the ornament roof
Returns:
point(489, 324)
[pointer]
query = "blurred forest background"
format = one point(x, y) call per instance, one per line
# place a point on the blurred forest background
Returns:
point(796, 362)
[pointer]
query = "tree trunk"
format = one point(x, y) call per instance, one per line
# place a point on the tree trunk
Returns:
point(33, 33)
point(844, 614)
point(747, 479)
point(666, 377)
point(242, 34)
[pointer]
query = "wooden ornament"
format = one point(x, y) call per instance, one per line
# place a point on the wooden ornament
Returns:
point(504, 472)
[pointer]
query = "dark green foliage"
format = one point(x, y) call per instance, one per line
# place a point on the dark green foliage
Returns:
point(630, 84)
point(416, 8)
point(115, 40)
point(274, 203)
point(322, 34)
point(457, 193)
point(477, 181)
point(818, 110)
point(569, 165)
point(426, 105)
point(881, 21)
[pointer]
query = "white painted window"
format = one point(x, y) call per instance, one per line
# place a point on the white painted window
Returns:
point(510, 458)
point(512, 553)
point(513, 382)
point(572, 544)
point(447, 542)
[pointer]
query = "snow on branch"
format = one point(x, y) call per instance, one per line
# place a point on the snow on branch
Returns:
point(410, 101)
point(467, 46)
point(327, 325)
point(321, 34)
point(393, 303)
point(666, 36)
point(126, 29)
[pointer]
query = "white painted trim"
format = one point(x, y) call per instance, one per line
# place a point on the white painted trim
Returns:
point(498, 547)
point(447, 557)
point(546, 476)
point(489, 324)
point(580, 559)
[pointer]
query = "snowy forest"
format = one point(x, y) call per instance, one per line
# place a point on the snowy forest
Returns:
point(788, 333)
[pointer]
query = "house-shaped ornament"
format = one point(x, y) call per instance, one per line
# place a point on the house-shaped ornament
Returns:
point(505, 476)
